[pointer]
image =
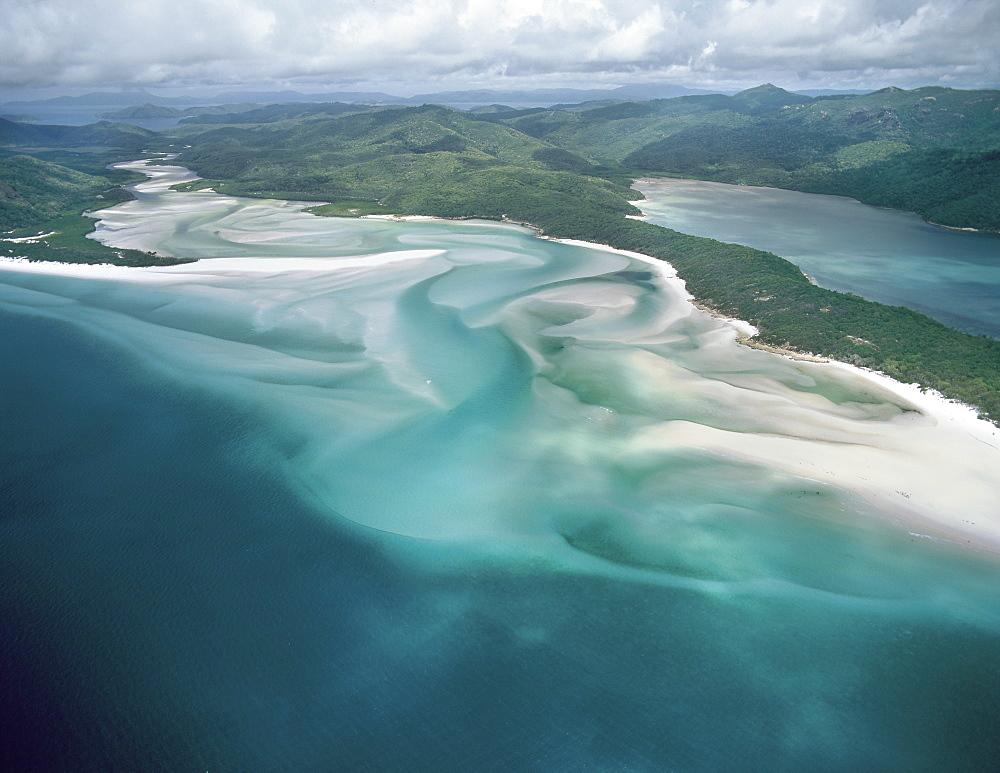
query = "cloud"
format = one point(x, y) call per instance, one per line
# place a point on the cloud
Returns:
point(709, 42)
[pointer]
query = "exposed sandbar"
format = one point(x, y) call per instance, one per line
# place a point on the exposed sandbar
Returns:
point(925, 461)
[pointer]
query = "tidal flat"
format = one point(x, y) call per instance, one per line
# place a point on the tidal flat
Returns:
point(398, 495)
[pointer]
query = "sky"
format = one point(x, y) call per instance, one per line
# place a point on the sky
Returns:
point(69, 46)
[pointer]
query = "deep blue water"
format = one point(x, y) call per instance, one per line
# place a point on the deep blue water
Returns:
point(168, 604)
point(173, 598)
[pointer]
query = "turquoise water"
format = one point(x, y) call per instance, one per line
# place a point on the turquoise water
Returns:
point(369, 495)
point(880, 254)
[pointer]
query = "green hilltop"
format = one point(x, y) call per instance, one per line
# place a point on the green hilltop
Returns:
point(43, 202)
point(33, 191)
point(103, 134)
point(567, 171)
point(419, 160)
point(933, 151)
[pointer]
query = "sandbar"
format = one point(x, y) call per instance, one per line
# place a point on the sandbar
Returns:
point(932, 464)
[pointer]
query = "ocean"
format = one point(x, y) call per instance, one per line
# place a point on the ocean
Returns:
point(379, 495)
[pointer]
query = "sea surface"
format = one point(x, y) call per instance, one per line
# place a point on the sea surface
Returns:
point(45, 113)
point(880, 254)
point(402, 496)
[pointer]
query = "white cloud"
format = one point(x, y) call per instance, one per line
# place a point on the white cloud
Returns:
point(710, 42)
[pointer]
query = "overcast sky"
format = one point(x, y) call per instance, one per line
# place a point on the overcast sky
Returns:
point(422, 45)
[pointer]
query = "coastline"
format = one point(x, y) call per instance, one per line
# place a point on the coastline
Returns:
point(919, 469)
point(811, 193)
point(937, 423)
point(746, 332)
point(953, 227)
point(883, 489)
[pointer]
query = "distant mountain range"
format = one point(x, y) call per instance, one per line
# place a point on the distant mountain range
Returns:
point(545, 97)
point(140, 105)
point(538, 97)
point(933, 151)
point(103, 98)
point(535, 97)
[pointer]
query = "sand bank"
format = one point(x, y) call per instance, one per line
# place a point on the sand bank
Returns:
point(931, 464)
point(936, 468)
point(928, 462)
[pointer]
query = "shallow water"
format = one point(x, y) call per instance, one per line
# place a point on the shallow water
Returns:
point(881, 254)
point(397, 496)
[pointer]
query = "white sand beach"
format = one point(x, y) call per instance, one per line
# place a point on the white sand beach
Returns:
point(911, 456)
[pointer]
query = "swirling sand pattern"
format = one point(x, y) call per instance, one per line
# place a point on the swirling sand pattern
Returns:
point(400, 496)
point(511, 386)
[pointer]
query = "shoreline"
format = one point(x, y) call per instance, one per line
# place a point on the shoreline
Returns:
point(810, 193)
point(943, 416)
point(746, 332)
point(935, 410)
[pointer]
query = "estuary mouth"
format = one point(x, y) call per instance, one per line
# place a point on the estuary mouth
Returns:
point(427, 372)
point(344, 489)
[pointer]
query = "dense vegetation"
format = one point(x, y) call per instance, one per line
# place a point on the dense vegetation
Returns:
point(277, 112)
point(41, 204)
point(934, 151)
point(421, 160)
point(33, 191)
point(436, 161)
point(792, 313)
point(101, 135)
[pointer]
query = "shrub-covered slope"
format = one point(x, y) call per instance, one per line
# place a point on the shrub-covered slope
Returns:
point(434, 161)
point(33, 191)
point(39, 197)
point(932, 151)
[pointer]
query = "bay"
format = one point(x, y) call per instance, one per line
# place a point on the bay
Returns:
point(880, 254)
point(58, 114)
point(442, 495)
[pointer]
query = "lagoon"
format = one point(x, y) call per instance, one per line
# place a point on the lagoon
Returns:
point(880, 254)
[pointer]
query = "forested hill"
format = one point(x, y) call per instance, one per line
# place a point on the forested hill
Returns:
point(33, 191)
point(569, 172)
point(437, 161)
point(418, 160)
point(934, 151)
point(103, 134)
point(41, 204)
